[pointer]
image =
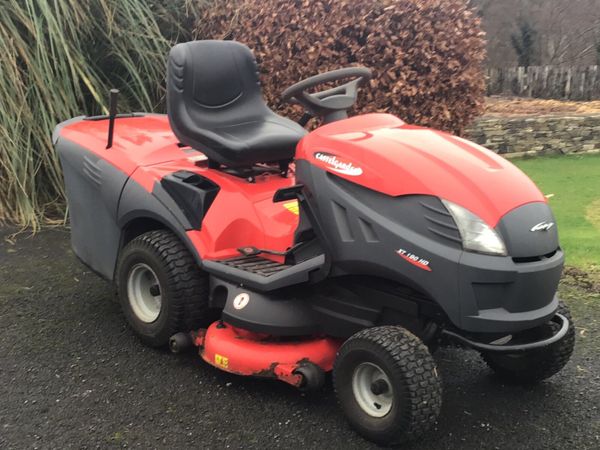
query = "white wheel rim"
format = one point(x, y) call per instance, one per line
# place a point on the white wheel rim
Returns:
point(365, 376)
point(144, 293)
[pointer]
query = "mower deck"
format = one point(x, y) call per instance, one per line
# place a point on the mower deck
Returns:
point(245, 353)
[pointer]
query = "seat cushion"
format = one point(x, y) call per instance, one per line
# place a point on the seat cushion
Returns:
point(268, 139)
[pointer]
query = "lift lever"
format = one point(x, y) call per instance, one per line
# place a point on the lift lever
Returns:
point(112, 114)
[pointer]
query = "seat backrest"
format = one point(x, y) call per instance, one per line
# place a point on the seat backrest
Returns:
point(211, 84)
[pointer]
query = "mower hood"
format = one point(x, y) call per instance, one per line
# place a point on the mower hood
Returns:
point(382, 153)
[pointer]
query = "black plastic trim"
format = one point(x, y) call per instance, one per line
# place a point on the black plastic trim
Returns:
point(558, 318)
point(192, 192)
point(300, 273)
point(287, 193)
point(275, 313)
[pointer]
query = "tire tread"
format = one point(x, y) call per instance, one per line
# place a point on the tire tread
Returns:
point(187, 284)
point(411, 361)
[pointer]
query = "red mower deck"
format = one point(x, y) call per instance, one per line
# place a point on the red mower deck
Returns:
point(245, 353)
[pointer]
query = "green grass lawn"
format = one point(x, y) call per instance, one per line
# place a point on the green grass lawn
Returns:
point(575, 183)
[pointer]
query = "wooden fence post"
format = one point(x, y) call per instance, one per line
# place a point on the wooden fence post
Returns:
point(576, 83)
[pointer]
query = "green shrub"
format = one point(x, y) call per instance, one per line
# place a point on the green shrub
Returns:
point(58, 59)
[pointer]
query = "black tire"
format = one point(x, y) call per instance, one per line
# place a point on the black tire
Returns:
point(415, 397)
point(183, 287)
point(535, 365)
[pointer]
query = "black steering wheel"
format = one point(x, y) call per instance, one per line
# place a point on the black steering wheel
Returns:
point(331, 104)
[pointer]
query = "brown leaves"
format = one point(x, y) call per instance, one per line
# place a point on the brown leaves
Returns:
point(426, 55)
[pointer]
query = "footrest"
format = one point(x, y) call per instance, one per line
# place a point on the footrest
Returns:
point(262, 274)
point(255, 264)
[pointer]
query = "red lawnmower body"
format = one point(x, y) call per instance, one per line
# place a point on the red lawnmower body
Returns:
point(242, 214)
point(353, 244)
point(399, 159)
point(395, 158)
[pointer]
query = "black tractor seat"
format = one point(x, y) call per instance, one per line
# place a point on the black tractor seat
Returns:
point(215, 105)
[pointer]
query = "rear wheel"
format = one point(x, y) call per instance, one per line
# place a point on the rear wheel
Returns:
point(161, 288)
point(387, 384)
point(535, 365)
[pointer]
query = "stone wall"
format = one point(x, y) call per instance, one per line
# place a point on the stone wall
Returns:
point(538, 135)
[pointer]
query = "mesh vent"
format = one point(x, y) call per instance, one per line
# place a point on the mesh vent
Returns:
point(440, 222)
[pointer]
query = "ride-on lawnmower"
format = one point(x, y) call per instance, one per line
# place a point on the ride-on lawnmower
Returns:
point(355, 248)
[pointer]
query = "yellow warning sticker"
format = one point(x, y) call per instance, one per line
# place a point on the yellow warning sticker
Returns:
point(221, 361)
point(292, 207)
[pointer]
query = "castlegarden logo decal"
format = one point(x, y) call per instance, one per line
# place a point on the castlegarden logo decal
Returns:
point(338, 165)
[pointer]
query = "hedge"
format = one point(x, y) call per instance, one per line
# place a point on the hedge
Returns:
point(427, 55)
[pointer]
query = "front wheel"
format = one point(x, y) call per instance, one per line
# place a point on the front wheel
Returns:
point(387, 384)
point(535, 365)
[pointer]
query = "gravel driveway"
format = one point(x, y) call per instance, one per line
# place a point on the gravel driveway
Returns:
point(73, 375)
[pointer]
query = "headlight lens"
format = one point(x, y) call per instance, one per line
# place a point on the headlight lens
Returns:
point(477, 236)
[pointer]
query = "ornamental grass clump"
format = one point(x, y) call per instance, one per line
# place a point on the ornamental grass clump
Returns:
point(58, 59)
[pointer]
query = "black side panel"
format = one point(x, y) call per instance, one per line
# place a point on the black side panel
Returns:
point(420, 213)
point(345, 305)
point(193, 194)
point(368, 232)
point(277, 313)
point(136, 202)
point(93, 189)
point(413, 241)
point(336, 307)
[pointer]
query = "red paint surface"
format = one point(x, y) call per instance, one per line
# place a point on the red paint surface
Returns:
point(395, 158)
point(400, 159)
point(248, 353)
point(243, 214)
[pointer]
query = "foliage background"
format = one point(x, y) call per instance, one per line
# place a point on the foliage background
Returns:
point(427, 55)
point(59, 58)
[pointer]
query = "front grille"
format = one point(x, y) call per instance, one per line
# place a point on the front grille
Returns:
point(530, 259)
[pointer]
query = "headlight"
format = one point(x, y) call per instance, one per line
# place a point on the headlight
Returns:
point(477, 236)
